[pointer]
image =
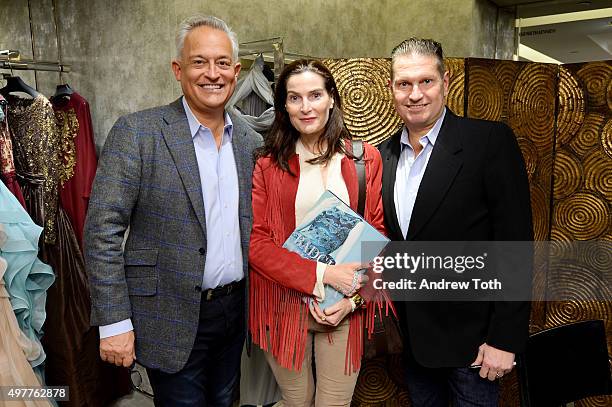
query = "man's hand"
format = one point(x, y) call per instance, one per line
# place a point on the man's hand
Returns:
point(495, 362)
point(118, 349)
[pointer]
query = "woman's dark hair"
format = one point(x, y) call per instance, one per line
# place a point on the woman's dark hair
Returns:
point(280, 141)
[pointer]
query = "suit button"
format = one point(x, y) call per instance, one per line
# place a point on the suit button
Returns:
point(201, 250)
point(198, 288)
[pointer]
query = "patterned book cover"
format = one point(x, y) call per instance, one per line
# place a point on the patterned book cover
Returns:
point(333, 233)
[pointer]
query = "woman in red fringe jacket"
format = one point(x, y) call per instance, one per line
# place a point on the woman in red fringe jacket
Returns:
point(306, 152)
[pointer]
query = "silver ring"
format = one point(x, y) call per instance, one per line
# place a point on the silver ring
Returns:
point(498, 375)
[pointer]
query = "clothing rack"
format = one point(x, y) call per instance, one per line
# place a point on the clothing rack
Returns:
point(11, 59)
point(272, 50)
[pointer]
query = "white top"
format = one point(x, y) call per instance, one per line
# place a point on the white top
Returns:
point(310, 188)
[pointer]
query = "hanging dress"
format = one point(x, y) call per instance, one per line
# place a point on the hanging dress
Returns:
point(74, 118)
point(26, 279)
point(7, 164)
point(255, 93)
point(43, 162)
point(15, 369)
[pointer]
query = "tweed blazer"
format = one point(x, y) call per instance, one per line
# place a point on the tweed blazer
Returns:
point(148, 179)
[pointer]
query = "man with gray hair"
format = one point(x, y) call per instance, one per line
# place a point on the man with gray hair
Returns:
point(449, 178)
point(179, 176)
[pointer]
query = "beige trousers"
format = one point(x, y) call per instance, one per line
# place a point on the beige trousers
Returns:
point(333, 387)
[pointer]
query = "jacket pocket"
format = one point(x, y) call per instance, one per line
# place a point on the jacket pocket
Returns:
point(141, 272)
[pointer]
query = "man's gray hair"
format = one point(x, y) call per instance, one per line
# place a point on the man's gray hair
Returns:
point(419, 46)
point(198, 20)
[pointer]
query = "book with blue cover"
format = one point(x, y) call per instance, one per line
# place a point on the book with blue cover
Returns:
point(333, 233)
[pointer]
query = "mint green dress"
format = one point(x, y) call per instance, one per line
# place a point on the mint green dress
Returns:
point(26, 278)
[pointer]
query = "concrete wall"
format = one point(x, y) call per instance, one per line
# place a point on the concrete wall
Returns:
point(120, 50)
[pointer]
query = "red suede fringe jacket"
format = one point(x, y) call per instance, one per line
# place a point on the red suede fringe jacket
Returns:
point(280, 279)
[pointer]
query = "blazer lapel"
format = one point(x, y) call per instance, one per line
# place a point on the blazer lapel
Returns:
point(391, 157)
point(180, 143)
point(443, 165)
point(242, 157)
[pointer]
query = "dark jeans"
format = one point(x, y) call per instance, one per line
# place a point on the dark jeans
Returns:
point(211, 374)
point(437, 387)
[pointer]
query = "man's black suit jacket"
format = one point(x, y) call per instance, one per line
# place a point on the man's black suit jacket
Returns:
point(475, 188)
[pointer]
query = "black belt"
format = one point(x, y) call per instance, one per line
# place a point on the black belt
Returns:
point(222, 290)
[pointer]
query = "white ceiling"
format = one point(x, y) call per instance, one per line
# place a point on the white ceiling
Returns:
point(577, 41)
point(566, 42)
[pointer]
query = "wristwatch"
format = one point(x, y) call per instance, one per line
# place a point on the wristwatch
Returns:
point(357, 301)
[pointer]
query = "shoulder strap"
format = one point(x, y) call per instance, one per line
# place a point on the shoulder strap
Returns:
point(358, 153)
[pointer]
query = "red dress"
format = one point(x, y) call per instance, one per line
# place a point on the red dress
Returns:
point(280, 279)
point(74, 193)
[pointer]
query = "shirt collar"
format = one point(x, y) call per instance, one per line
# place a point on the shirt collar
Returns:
point(431, 136)
point(194, 124)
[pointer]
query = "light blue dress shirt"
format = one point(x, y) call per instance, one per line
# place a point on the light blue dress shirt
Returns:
point(410, 171)
point(219, 180)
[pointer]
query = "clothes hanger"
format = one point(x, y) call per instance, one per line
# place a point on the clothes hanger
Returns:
point(63, 90)
point(16, 84)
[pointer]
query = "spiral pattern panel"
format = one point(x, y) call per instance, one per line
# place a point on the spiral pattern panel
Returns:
point(606, 138)
point(571, 106)
point(568, 174)
point(598, 173)
point(456, 93)
point(584, 215)
point(596, 77)
point(485, 95)
point(588, 136)
point(369, 113)
point(373, 385)
point(532, 104)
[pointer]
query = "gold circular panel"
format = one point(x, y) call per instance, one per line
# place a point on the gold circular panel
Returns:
point(369, 113)
point(568, 174)
point(373, 384)
point(571, 106)
point(485, 96)
point(598, 173)
point(539, 209)
point(584, 215)
point(506, 72)
point(563, 312)
point(532, 104)
point(597, 401)
point(597, 256)
point(606, 137)
point(609, 95)
point(456, 94)
point(596, 78)
point(589, 134)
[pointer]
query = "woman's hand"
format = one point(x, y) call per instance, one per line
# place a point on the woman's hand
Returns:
point(317, 314)
point(345, 278)
point(332, 315)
